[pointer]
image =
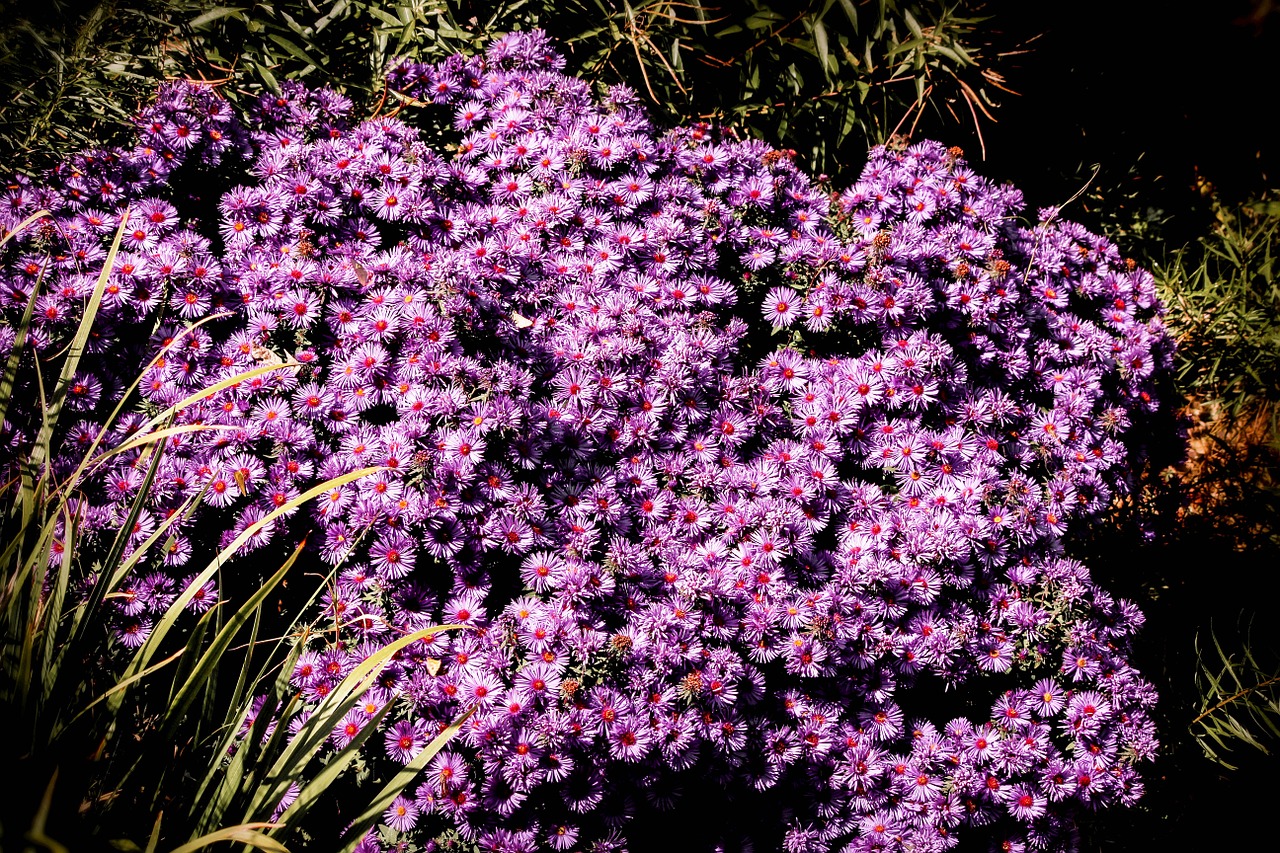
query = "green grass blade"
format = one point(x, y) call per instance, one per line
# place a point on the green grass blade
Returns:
point(241, 773)
point(23, 225)
point(246, 664)
point(109, 578)
point(193, 646)
point(7, 382)
point(328, 714)
point(212, 657)
point(166, 623)
point(41, 452)
point(314, 790)
point(245, 833)
point(154, 841)
point(57, 597)
point(127, 395)
point(124, 683)
point(154, 437)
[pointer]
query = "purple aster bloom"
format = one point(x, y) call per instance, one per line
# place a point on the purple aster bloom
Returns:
point(405, 739)
point(515, 337)
point(402, 815)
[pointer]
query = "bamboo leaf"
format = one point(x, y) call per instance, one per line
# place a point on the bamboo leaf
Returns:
point(820, 44)
point(215, 14)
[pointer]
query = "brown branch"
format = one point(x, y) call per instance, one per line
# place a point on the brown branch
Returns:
point(644, 74)
point(381, 101)
point(1233, 697)
point(976, 126)
point(918, 105)
point(674, 77)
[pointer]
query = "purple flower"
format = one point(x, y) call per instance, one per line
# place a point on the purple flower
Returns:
point(542, 341)
point(405, 739)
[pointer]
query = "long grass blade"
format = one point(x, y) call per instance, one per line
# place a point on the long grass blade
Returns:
point(329, 713)
point(164, 416)
point(109, 577)
point(245, 833)
point(9, 381)
point(212, 657)
point(41, 452)
point(321, 782)
point(123, 684)
point(166, 623)
point(53, 606)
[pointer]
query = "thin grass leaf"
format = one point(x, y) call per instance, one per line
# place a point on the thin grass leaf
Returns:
point(41, 451)
point(37, 833)
point(149, 648)
point(108, 579)
point(7, 382)
point(23, 225)
point(158, 436)
point(1240, 701)
point(204, 669)
point(153, 843)
point(165, 415)
point(124, 683)
point(321, 782)
point(111, 419)
point(245, 833)
point(330, 711)
point(238, 775)
point(53, 606)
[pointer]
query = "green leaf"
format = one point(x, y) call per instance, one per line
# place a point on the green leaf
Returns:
point(295, 757)
point(820, 44)
point(267, 77)
point(41, 451)
point(215, 14)
point(315, 789)
point(294, 50)
point(213, 656)
point(761, 20)
point(175, 610)
point(912, 24)
point(245, 833)
point(389, 20)
point(851, 13)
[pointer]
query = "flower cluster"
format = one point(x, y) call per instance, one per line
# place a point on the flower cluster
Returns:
point(717, 465)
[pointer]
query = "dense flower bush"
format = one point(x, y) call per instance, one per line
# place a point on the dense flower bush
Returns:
point(729, 473)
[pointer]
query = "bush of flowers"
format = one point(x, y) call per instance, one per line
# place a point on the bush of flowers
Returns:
point(731, 476)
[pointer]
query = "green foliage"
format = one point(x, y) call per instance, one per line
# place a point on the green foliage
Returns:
point(827, 78)
point(1222, 303)
point(1239, 699)
point(1223, 300)
point(345, 44)
point(73, 72)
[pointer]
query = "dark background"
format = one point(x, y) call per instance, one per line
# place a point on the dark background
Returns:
point(1174, 91)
